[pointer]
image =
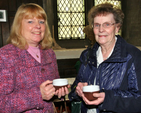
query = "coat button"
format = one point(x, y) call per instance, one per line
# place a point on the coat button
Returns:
point(104, 109)
point(37, 108)
point(42, 70)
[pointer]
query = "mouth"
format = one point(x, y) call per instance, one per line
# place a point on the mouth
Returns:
point(102, 35)
point(36, 33)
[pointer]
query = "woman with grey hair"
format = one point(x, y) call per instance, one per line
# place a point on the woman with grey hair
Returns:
point(111, 63)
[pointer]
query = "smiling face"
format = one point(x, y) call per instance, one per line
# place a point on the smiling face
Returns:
point(33, 30)
point(105, 36)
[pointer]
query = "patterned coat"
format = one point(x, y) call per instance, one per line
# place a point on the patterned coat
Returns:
point(20, 78)
point(119, 77)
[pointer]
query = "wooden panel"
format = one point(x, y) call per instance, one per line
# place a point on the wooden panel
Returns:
point(1, 41)
point(132, 22)
point(4, 26)
point(5, 32)
point(12, 5)
point(3, 4)
point(67, 68)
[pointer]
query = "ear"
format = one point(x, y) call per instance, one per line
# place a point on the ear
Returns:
point(117, 28)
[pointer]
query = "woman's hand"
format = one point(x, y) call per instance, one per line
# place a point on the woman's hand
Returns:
point(47, 90)
point(62, 91)
point(79, 88)
point(99, 100)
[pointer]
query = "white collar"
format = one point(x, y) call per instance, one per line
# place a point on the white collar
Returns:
point(100, 56)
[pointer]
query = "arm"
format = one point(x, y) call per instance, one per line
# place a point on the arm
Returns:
point(62, 91)
point(129, 98)
point(81, 77)
point(73, 94)
point(11, 97)
point(54, 63)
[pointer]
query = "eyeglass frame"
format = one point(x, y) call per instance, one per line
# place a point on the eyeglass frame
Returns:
point(103, 25)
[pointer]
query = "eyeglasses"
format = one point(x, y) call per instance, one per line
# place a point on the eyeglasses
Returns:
point(105, 25)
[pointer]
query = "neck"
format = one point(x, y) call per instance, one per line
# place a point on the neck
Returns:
point(106, 50)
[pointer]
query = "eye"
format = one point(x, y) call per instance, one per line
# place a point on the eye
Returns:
point(107, 24)
point(42, 21)
point(96, 25)
point(30, 21)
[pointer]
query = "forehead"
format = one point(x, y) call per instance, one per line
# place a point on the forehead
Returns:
point(104, 18)
point(31, 16)
point(33, 13)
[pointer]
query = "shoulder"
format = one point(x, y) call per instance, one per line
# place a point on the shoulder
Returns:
point(8, 55)
point(129, 48)
point(7, 49)
point(49, 52)
point(85, 54)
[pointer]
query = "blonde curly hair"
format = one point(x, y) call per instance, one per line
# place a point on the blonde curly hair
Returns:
point(28, 10)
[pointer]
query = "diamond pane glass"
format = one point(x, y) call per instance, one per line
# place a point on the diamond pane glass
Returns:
point(115, 2)
point(71, 16)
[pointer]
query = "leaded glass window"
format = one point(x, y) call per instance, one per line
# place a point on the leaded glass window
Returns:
point(115, 2)
point(71, 16)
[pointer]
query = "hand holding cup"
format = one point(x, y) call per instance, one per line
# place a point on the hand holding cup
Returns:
point(90, 90)
point(61, 87)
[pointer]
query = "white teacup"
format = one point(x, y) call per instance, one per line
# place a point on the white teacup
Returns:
point(58, 83)
point(89, 90)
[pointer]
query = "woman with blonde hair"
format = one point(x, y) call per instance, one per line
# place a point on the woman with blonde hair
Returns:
point(28, 64)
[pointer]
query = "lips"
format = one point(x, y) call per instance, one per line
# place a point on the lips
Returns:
point(102, 35)
point(37, 33)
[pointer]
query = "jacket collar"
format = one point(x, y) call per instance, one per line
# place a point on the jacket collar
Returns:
point(28, 61)
point(119, 53)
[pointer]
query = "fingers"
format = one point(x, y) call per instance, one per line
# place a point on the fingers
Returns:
point(68, 86)
point(62, 92)
point(79, 91)
point(66, 90)
point(99, 100)
point(46, 83)
point(47, 90)
point(100, 96)
point(79, 88)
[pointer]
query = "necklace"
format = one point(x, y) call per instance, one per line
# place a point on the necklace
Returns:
point(34, 50)
point(37, 56)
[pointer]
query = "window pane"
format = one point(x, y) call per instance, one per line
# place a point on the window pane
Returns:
point(71, 15)
point(115, 2)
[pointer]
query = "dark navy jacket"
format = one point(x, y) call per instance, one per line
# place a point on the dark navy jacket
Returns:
point(119, 77)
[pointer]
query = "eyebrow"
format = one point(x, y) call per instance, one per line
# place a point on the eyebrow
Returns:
point(104, 22)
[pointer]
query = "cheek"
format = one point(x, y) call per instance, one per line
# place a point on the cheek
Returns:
point(95, 31)
point(111, 31)
point(43, 26)
point(26, 29)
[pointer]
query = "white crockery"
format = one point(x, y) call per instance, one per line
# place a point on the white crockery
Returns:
point(91, 88)
point(60, 82)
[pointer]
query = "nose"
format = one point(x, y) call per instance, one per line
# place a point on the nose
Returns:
point(38, 25)
point(101, 29)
